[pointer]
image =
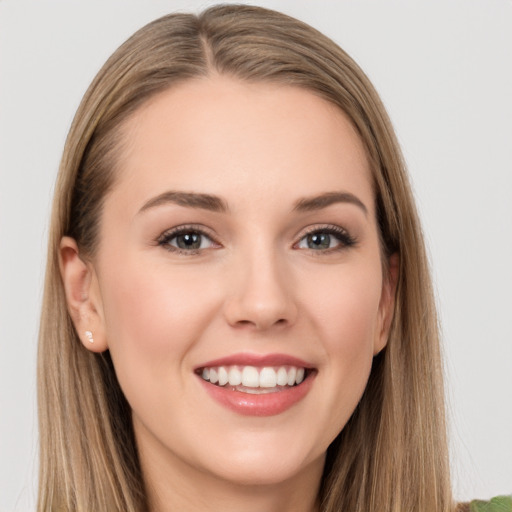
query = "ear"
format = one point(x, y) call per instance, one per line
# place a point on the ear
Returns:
point(83, 296)
point(387, 304)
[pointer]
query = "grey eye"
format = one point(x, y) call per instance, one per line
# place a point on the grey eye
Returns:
point(319, 241)
point(188, 241)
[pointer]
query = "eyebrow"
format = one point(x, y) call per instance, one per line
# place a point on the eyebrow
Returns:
point(187, 199)
point(216, 204)
point(308, 204)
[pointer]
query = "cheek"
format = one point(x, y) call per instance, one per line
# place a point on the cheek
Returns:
point(347, 313)
point(152, 319)
point(346, 320)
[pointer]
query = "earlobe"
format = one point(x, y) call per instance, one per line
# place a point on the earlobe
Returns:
point(387, 303)
point(82, 296)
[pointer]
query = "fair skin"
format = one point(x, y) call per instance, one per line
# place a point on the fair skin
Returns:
point(271, 267)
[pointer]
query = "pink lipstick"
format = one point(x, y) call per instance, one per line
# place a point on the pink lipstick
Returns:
point(257, 385)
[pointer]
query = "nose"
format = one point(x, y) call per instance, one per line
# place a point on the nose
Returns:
point(260, 294)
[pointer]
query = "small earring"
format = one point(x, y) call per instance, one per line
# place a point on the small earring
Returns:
point(88, 335)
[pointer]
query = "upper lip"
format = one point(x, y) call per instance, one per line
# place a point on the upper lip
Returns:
point(259, 360)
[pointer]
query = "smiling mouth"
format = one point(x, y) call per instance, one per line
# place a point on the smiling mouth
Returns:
point(255, 380)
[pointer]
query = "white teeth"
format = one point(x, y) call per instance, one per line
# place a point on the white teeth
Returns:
point(292, 373)
point(250, 377)
point(282, 377)
point(223, 376)
point(268, 378)
point(253, 377)
point(235, 376)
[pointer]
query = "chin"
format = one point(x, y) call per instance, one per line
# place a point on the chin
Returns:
point(263, 468)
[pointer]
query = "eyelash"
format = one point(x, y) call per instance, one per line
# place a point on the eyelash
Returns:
point(344, 238)
point(165, 239)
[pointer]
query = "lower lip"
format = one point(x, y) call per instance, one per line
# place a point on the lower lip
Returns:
point(267, 404)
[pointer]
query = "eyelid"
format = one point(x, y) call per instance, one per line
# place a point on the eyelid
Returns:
point(345, 238)
point(169, 234)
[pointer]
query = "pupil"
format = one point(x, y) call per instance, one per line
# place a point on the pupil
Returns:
point(189, 241)
point(319, 241)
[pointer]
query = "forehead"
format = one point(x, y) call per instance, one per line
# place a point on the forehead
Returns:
point(227, 137)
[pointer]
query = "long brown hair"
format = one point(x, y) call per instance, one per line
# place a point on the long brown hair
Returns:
point(392, 454)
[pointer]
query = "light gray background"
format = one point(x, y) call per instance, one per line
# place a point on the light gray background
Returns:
point(444, 70)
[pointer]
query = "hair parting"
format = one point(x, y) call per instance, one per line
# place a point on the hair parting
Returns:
point(392, 454)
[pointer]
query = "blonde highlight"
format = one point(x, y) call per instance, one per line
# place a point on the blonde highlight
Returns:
point(392, 454)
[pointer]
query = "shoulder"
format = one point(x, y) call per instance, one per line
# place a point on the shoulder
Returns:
point(498, 504)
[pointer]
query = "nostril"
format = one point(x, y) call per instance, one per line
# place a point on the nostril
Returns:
point(260, 324)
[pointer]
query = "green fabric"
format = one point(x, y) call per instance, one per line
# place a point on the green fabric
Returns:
point(499, 504)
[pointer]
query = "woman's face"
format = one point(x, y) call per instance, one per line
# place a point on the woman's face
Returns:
point(240, 243)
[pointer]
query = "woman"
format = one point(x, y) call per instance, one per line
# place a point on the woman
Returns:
point(237, 298)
